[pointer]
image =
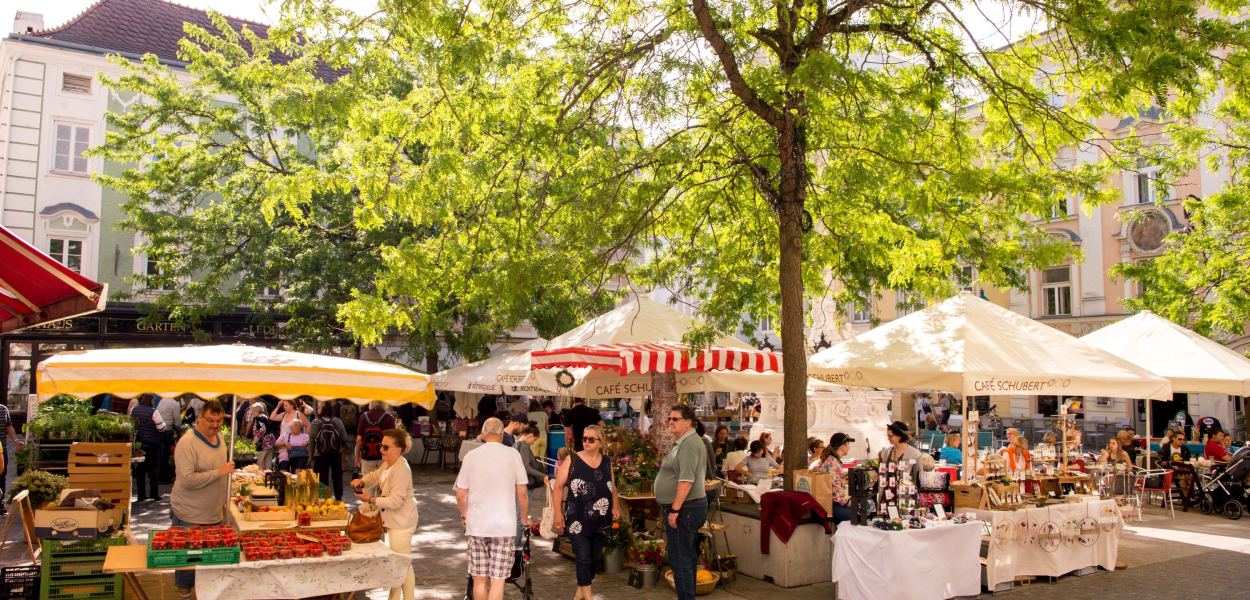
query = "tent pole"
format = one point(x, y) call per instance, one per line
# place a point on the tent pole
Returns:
point(1148, 411)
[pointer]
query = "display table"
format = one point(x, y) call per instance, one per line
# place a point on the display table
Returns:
point(243, 525)
point(913, 564)
point(364, 567)
point(466, 446)
point(1050, 541)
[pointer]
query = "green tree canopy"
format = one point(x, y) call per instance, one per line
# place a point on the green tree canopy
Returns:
point(749, 155)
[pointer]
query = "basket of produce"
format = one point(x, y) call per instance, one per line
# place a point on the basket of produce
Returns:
point(704, 581)
point(189, 546)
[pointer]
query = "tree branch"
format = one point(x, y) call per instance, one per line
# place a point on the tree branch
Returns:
point(737, 83)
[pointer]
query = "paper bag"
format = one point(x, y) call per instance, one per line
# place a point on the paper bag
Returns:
point(817, 483)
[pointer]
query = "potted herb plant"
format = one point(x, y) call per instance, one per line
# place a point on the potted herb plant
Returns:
point(614, 545)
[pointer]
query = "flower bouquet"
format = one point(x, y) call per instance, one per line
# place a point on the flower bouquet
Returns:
point(646, 551)
point(634, 459)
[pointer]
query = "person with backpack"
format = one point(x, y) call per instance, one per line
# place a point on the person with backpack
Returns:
point(328, 435)
point(369, 428)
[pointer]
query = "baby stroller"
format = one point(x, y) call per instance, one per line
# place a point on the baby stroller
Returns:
point(1225, 490)
point(520, 575)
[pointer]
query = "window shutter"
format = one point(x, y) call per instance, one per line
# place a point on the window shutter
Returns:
point(75, 84)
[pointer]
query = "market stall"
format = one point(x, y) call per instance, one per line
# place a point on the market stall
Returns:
point(973, 347)
point(1193, 363)
point(257, 503)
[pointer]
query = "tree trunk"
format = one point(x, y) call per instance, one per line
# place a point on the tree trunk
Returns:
point(792, 193)
point(431, 362)
point(663, 397)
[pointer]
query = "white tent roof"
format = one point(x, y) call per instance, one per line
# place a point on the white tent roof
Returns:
point(641, 320)
point(1193, 363)
point(975, 347)
point(503, 373)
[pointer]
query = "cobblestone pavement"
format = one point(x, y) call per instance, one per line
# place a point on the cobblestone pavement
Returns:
point(1191, 556)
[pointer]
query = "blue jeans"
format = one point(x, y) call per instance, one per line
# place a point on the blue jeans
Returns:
point(587, 554)
point(683, 544)
point(185, 578)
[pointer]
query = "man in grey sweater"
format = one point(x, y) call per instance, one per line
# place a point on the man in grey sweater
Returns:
point(202, 479)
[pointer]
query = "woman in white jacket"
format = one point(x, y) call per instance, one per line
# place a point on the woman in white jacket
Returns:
point(396, 501)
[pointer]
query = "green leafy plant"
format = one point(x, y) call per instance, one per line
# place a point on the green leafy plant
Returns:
point(646, 551)
point(618, 536)
point(22, 459)
point(44, 487)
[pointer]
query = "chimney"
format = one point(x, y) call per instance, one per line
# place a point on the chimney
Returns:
point(27, 22)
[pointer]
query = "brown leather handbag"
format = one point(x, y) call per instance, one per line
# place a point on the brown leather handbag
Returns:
point(364, 529)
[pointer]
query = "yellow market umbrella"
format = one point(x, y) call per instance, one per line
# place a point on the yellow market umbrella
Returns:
point(241, 371)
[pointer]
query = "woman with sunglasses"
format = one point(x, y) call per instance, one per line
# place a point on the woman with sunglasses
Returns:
point(399, 507)
point(592, 505)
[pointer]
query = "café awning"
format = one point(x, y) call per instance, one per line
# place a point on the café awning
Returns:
point(503, 373)
point(657, 357)
point(36, 289)
point(243, 371)
point(1193, 363)
point(974, 347)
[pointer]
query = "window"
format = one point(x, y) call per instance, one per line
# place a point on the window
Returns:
point(1057, 291)
point(764, 324)
point(71, 142)
point(67, 252)
point(1146, 183)
point(1060, 209)
point(75, 84)
point(153, 269)
point(269, 293)
point(1048, 406)
point(861, 311)
point(965, 278)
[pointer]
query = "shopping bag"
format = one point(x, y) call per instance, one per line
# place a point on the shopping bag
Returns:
point(817, 483)
point(546, 527)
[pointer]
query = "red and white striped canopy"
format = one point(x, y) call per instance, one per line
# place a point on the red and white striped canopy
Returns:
point(657, 357)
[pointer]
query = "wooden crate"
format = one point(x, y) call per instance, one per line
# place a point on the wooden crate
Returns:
point(100, 458)
point(115, 490)
point(968, 496)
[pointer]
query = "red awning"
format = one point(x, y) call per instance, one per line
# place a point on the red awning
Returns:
point(35, 288)
point(658, 357)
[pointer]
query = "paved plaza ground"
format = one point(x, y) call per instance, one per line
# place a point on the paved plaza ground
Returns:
point(1191, 556)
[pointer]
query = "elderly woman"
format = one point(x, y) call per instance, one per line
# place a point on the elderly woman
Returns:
point(293, 448)
point(591, 507)
point(399, 507)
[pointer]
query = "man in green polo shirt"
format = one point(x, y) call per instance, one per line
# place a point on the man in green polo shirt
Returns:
point(679, 489)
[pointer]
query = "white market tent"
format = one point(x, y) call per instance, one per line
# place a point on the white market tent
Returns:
point(1193, 363)
point(974, 347)
point(503, 373)
point(642, 321)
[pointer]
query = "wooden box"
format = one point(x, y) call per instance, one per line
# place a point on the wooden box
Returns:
point(100, 459)
point(969, 496)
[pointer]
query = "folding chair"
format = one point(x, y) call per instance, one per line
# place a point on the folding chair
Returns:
point(1143, 487)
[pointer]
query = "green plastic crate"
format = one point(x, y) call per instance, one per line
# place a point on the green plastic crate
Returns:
point(167, 559)
point(82, 588)
point(54, 549)
point(82, 565)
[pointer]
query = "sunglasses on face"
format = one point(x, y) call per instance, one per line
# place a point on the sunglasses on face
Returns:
point(386, 447)
point(590, 440)
point(675, 419)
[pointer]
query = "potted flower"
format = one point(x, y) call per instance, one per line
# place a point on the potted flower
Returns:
point(646, 554)
point(614, 545)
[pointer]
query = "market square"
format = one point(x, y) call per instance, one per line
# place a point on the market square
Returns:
point(489, 299)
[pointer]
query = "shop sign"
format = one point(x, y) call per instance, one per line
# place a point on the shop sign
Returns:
point(78, 325)
point(252, 330)
point(136, 326)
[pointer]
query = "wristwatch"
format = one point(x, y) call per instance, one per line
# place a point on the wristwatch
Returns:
point(674, 510)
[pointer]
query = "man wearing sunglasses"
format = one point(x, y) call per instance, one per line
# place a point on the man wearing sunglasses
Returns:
point(679, 490)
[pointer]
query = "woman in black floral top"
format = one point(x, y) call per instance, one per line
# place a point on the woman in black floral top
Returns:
point(591, 506)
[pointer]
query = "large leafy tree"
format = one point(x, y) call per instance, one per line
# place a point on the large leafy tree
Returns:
point(750, 155)
point(233, 181)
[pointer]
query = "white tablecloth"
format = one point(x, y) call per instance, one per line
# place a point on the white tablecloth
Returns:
point(913, 564)
point(1017, 546)
point(467, 445)
point(364, 567)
